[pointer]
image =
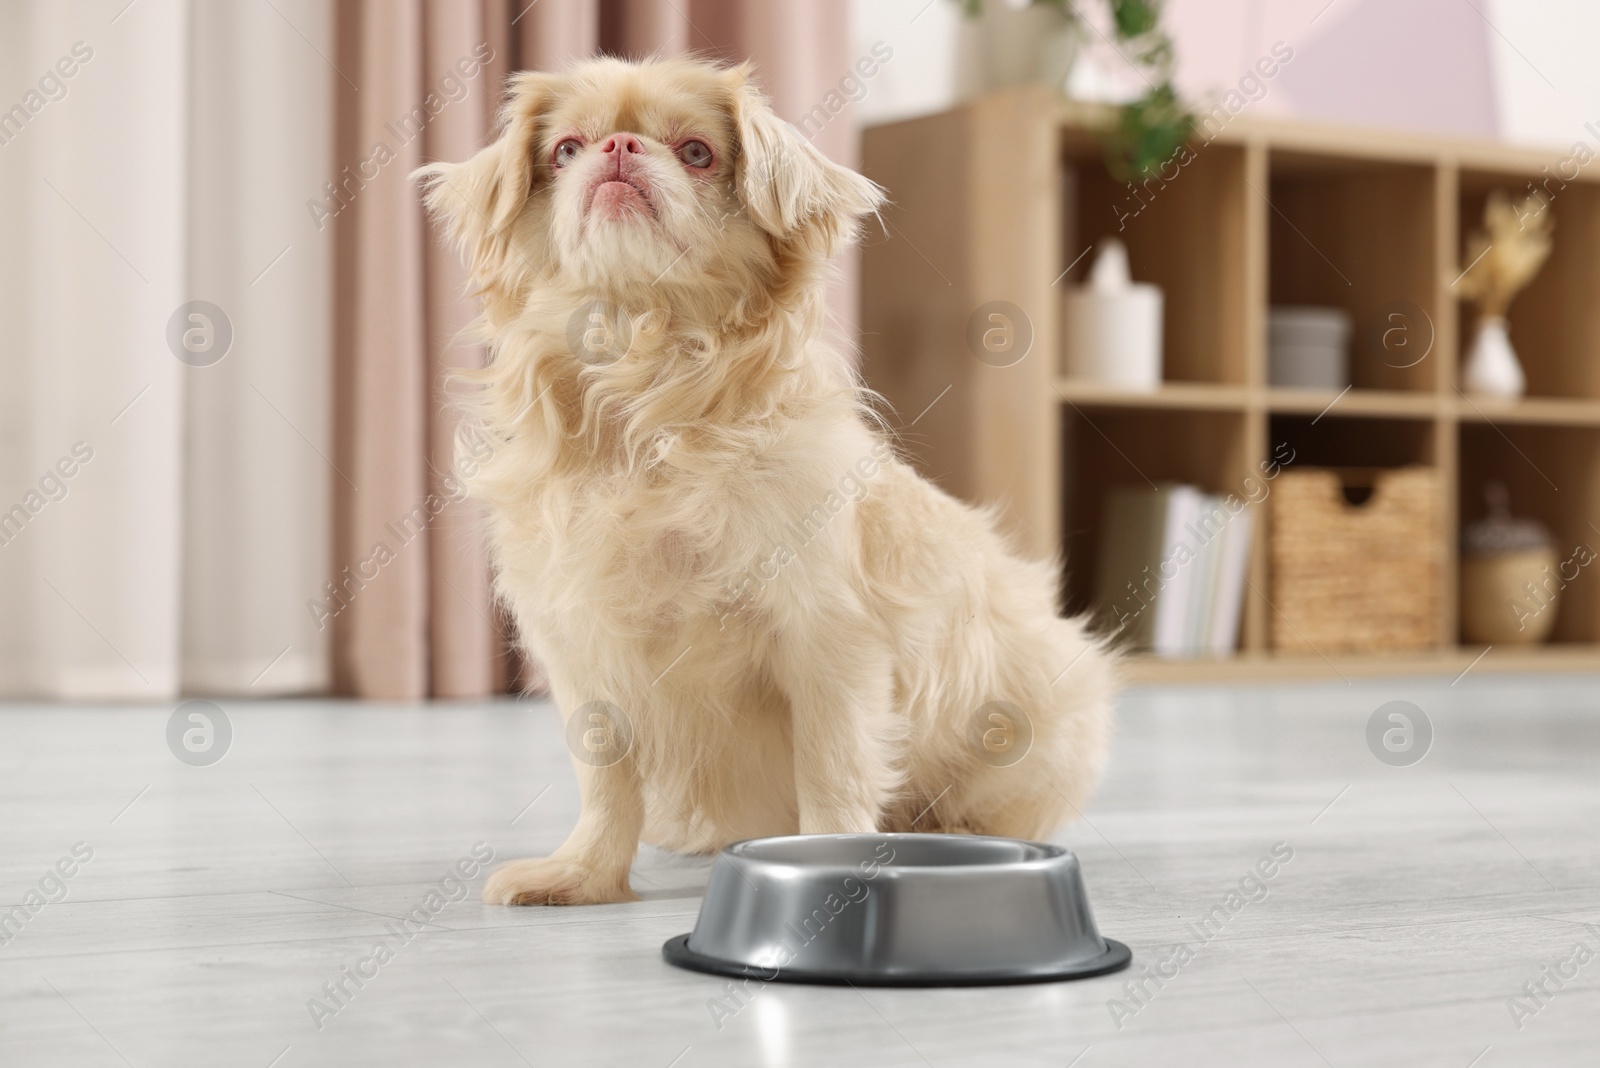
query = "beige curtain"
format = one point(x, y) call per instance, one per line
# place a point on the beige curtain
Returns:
point(418, 80)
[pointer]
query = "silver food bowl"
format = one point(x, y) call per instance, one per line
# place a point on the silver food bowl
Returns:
point(897, 910)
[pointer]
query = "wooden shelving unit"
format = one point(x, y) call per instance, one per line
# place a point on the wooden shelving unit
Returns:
point(998, 200)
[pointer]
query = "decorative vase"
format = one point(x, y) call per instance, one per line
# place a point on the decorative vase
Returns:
point(1510, 576)
point(1492, 368)
point(1011, 43)
point(1497, 607)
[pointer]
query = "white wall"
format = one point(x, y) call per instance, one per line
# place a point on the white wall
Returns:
point(1519, 70)
point(1546, 76)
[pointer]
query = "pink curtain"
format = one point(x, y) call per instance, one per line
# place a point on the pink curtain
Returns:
point(419, 80)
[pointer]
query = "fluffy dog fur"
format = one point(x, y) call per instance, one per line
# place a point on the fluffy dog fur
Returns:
point(712, 532)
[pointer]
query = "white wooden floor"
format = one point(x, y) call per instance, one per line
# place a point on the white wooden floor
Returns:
point(219, 900)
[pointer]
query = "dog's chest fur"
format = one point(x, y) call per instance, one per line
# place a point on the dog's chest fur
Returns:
point(653, 553)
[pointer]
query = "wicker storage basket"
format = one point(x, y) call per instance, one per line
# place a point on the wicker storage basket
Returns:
point(1356, 578)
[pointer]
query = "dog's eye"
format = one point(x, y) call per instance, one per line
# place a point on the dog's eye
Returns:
point(566, 151)
point(695, 153)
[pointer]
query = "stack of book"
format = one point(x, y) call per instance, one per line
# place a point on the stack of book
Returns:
point(1172, 571)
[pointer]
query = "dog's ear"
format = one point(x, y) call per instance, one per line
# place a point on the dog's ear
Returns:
point(791, 190)
point(479, 201)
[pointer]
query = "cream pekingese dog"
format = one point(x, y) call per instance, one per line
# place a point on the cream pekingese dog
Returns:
point(755, 618)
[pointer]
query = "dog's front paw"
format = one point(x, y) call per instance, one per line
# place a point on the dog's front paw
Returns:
point(550, 881)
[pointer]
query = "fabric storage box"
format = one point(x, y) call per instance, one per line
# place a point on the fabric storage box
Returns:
point(1365, 577)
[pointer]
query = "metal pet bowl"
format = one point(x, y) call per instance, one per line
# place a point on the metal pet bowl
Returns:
point(897, 910)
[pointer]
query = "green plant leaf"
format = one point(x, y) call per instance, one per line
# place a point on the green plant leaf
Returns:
point(1148, 132)
point(1135, 18)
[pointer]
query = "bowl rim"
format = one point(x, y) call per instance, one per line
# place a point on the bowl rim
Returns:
point(1049, 855)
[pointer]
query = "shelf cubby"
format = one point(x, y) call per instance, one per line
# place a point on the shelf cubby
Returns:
point(1265, 213)
point(1555, 322)
point(1165, 225)
point(1103, 448)
point(1552, 473)
point(1360, 235)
